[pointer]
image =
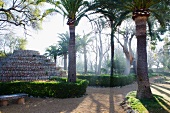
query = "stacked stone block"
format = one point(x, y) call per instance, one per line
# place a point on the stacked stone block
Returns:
point(27, 65)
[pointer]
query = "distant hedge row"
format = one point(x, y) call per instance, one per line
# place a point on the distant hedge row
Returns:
point(45, 89)
point(108, 81)
point(104, 80)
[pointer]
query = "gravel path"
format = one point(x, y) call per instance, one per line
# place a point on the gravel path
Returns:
point(97, 100)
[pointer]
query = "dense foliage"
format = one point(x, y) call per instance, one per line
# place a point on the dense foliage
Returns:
point(108, 81)
point(57, 89)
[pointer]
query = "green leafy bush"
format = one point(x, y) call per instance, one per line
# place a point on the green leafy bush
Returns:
point(108, 81)
point(59, 79)
point(45, 89)
point(150, 71)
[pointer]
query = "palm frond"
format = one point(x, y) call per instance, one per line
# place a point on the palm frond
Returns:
point(49, 11)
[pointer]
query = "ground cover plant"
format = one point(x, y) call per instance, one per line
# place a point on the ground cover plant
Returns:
point(156, 105)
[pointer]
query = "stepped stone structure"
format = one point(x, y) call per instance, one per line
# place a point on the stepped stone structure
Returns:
point(27, 65)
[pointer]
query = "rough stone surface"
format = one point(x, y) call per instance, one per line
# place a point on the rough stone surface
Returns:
point(27, 65)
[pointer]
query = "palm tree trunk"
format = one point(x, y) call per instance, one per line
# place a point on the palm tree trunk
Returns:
point(144, 90)
point(72, 55)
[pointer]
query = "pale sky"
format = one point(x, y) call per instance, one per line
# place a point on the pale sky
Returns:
point(42, 39)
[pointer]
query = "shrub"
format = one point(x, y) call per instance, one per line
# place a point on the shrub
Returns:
point(45, 89)
point(59, 79)
point(108, 81)
point(150, 71)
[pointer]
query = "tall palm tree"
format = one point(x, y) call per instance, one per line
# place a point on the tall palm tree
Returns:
point(52, 51)
point(141, 10)
point(73, 10)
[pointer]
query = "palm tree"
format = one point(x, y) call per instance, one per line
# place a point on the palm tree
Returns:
point(141, 10)
point(63, 47)
point(73, 10)
point(52, 51)
point(84, 41)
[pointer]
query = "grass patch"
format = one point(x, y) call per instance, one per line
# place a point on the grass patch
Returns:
point(155, 105)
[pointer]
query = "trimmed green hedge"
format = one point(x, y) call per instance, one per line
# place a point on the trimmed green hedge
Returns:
point(45, 89)
point(108, 81)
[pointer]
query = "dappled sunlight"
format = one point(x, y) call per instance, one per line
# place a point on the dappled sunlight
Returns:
point(100, 100)
point(161, 89)
point(158, 104)
point(164, 104)
point(95, 102)
point(164, 91)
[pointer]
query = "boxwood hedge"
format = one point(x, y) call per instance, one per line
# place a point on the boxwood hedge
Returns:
point(108, 81)
point(45, 89)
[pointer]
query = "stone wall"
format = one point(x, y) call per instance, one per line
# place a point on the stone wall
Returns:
point(27, 65)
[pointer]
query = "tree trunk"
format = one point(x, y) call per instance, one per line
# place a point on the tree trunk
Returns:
point(96, 58)
point(127, 55)
point(127, 67)
point(72, 55)
point(134, 66)
point(112, 49)
point(132, 57)
point(65, 61)
point(85, 60)
point(55, 60)
point(144, 90)
point(100, 54)
point(100, 63)
point(130, 50)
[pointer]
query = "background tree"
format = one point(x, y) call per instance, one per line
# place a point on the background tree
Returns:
point(20, 13)
point(100, 25)
point(128, 32)
point(164, 55)
point(21, 45)
point(114, 16)
point(63, 47)
point(119, 61)
point(84, 42)
point(10, 42)
point(52, 51)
